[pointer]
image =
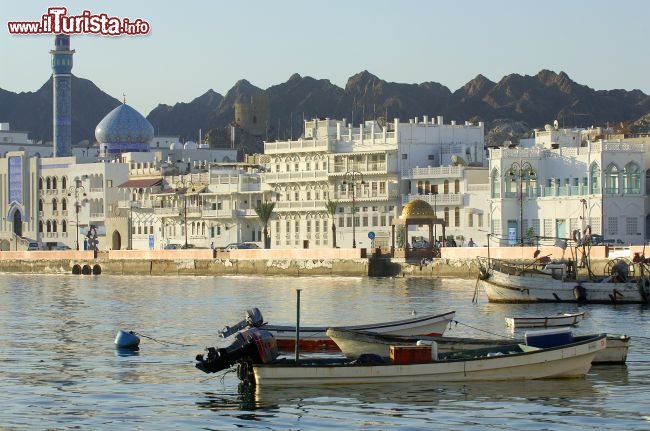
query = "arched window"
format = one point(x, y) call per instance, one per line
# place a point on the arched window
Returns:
point(446, 187)
point(64, 226)
point(427, 188)
point(611, 179)
point(64, 183)
point(48, 183)
point(54, 204)
point(456, 186)
point(495, 184)
point(420, 188)
point(40, 183)
point(632, 179)
point(594, 176)
point(40, 205)
point(40, 226)
point(64, 204)
point(446, 216)
point(457, 217)
point(203, 228)
point(54, 226)
point(54, 183)
point(48, 226)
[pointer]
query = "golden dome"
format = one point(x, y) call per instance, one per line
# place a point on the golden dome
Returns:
point(417, 209)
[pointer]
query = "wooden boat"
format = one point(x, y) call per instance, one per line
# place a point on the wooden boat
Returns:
point(353, 344)
point(511, 362)
point(509, 282)
point(562, 319)
point(314, 338)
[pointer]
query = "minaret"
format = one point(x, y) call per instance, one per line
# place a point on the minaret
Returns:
point(61, 74)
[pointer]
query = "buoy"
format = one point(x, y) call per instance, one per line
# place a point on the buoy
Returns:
point(127, 340)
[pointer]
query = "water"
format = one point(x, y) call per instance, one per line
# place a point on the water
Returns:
point(59, 368)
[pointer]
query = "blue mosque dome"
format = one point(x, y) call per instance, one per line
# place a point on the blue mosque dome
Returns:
point(124, 130)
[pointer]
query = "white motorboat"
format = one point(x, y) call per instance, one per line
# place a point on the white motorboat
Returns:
point(562, 319)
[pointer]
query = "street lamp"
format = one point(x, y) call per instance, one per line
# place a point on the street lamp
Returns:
point(352, 178)
point(583, 203)
point(76, 191)
point(521, 170)
point(182, 187)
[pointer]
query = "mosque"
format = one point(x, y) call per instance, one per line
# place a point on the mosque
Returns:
point(54, 202)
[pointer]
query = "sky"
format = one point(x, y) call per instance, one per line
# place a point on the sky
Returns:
point(194, 46)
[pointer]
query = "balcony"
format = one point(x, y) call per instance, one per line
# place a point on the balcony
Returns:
point(299, 205)
point(455, 199)
point(217, 214)
point(277, 177)
point(365, 168)
point(366, 196)
point(97, 216)
point(431, 172)
point(299, 146)
point(167, 211)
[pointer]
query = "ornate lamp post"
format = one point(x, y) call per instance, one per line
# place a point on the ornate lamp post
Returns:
point(77, 191)
point(182, 187)
point(352, 178)
point(519, 171)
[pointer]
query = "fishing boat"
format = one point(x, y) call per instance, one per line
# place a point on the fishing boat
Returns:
point(314, 338)
point(255, 354)
point(353, 344)
point(562, 319)
point(539, 281)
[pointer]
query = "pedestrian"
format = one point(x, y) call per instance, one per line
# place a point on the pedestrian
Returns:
point(471, 243)
point(212, 245)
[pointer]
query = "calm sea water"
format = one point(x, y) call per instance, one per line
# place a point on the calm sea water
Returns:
point(59, 368)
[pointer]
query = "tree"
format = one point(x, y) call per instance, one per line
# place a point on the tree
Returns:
point(264, 211)
point(331, 210)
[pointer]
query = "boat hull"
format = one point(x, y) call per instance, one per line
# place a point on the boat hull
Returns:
point(353, 344)
point(573, 360)
point(509, 288)
point(314, 338)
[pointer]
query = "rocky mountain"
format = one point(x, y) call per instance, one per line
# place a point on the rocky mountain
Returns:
point(525, 100)
point(32, 111)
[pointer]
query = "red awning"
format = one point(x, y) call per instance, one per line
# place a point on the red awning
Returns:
point(142, 183)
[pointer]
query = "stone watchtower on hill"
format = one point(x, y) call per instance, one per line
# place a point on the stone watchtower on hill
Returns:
point(254, 116)
point(61, 77)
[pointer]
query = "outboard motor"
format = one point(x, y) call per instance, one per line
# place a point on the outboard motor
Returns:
point(253, 319)
point(254, 345)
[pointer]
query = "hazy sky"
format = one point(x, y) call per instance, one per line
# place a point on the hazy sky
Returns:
point(197, 45)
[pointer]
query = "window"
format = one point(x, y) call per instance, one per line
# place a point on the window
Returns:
point(470, 220)
point(495, 185)
point(480, 220)
point(446, 187)
point(64, 226)
point(457, 216)
point(64, 204)
point(432, 157)
point(446, 216)
point(404, 156)
point(54, 205)
point(631, 226)
point(40, 205)
point(341, 221)
point(612, 225)
point(594, 174)
point(632, 179)
point(536, 226)
point(611, 179)
point(456, 186)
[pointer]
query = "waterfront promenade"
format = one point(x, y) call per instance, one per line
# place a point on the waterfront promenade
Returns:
point(455, 261)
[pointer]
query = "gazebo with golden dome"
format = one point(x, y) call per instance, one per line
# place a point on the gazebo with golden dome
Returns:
point(416, 212)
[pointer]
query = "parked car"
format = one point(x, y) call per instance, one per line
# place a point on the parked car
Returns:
point(613, 242)
point(32, 246)
point(421, 243)
point(241, 246)
point(173, 247)
point(186, 246)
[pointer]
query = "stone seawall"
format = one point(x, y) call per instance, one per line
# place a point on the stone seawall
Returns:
point(460, 268)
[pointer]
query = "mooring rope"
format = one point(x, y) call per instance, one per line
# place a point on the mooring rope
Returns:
point(481, 330)
point(163, 342)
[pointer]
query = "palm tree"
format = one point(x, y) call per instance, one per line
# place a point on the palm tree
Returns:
point(264, 211)
point(331, 210)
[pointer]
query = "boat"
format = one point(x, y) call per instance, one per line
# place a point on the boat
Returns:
point(353, 344)
point(255, 354)
point(540, 281)
point(562, 319)
point(314, 338)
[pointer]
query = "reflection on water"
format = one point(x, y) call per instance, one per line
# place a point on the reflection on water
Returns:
point(59, 367)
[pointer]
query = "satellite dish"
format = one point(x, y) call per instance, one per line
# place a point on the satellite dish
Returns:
point(556, 125)
point(548, 127)
point(458, 160)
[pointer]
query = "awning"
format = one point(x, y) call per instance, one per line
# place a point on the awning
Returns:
point(141, 183)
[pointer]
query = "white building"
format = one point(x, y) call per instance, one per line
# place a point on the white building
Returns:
point(565, 183)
